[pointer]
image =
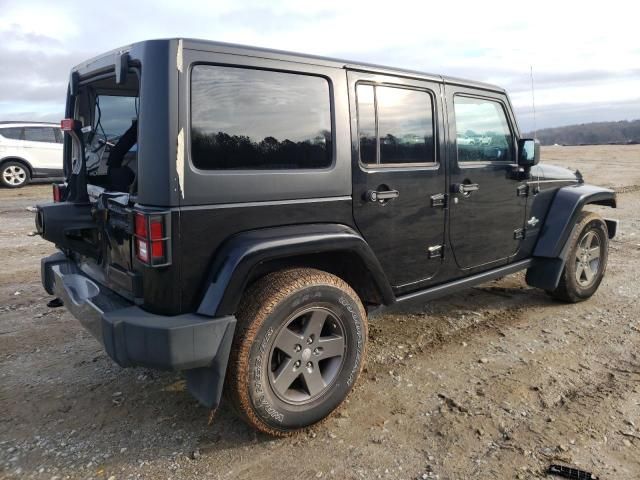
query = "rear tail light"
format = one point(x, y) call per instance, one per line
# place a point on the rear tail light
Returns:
point(68, 124)
point(151, 238)
point(141, 225)
point(157, 237)
point(57, 196)
point(58, 191)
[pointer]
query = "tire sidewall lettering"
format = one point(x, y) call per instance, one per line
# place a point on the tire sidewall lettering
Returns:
point(259, 392)
point(357, 322)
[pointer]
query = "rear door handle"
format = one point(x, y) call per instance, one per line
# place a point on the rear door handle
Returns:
point(464, 188)
point(381, 195)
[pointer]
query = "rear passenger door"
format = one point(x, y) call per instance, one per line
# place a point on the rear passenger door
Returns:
point(398, 174)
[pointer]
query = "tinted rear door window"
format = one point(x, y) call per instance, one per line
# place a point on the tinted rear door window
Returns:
point(40, 134)
point(259, 119)
point(405, 125)
point(395, 125)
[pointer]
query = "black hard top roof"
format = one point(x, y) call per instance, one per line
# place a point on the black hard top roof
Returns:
point(222, 47)
point(231, 48)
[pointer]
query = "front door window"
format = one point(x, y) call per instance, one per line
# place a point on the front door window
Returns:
point(482, 131)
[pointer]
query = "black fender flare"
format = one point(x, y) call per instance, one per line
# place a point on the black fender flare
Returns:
point(236, 258)
point(550, 251)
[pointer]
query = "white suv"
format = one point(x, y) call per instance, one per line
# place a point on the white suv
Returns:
point(29, 150)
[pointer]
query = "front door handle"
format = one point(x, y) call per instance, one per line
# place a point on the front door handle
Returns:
point(464, 188)
point(381, 195)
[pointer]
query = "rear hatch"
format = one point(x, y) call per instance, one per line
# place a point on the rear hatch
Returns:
point(103, 136)
point(110, 218)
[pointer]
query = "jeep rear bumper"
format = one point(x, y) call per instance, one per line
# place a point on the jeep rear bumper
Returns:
point(132, 336)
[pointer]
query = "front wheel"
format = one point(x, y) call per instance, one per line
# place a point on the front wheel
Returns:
point(298, 351)
point(586, 260)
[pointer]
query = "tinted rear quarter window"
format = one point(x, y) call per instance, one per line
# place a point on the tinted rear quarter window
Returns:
point(259, 119)
point(40, 134)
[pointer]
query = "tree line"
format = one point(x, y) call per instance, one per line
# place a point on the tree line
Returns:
point(221, 150)
point(599, 133)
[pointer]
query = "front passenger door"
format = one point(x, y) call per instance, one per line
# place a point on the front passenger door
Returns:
point(487, 205)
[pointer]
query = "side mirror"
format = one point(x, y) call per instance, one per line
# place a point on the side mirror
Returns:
point(528, 152)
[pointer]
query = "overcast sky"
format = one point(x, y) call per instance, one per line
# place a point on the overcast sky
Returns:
point(585, 55)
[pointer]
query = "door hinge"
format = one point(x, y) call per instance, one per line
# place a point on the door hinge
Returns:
point(519, 234)
point(435, 251)
point(439, 200)
point(522, 190)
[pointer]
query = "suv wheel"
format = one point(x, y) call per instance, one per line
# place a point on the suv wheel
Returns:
point(14, 174)
point(586, 261)
point(298, 351)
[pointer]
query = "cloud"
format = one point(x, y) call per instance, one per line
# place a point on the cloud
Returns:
point(581, 56)
point(30, 75)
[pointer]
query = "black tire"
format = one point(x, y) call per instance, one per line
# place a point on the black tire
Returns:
point(583, 270)
point(278, 311)
point(14, 174)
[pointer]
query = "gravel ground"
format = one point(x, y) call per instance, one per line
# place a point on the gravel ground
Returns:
point(495, 382)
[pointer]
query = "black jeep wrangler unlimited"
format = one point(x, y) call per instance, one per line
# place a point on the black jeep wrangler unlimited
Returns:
point(234, 212)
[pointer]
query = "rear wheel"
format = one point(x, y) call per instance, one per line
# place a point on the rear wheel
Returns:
point(298, 351)
point(586, 261)
point(14, 174)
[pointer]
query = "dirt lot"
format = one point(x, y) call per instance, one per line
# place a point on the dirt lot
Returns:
point(495, 382)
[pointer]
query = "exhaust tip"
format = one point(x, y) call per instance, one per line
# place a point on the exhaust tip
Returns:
point(39, 221)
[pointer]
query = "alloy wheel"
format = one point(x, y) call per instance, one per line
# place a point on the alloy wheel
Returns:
point(588, 258)
point(14, 175)
point(307, 355)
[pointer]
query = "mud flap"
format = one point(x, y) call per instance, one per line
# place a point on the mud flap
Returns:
point(206, 383)
point(545, 273)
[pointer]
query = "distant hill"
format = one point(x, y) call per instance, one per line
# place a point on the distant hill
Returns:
point(600, 133)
